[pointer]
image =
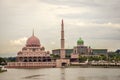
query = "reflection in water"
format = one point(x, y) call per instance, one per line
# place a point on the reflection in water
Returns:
point(99, 78)
point(33, 77)
point(93, 78)
point(62, 73)
point(81, 78)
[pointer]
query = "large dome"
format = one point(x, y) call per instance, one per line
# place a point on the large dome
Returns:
point(33, 41)
point(80, 42)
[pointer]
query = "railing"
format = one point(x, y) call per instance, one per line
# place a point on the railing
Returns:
point(30, 64)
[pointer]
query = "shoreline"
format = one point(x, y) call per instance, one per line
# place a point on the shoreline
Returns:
point(83, 66)
point(94, 66)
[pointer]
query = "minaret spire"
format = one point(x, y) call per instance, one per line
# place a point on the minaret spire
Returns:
point(62, 52)
point(33, 32)
point(62, 24)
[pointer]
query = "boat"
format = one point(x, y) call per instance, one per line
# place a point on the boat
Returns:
point(2, 68)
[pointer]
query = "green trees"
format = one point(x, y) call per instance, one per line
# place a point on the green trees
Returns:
point(55, 56)
point(2, 61)
point(95, 58)
point(92, 58)
point(82, 58)
point(11, 59)
point(114, 57)
point(67, 56)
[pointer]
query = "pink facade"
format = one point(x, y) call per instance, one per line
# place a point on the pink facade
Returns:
point(30, 64)
point(33, 52)
point(32, 55)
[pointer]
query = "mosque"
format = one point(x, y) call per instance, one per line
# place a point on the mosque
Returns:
point(34, 55)
point(33, 52)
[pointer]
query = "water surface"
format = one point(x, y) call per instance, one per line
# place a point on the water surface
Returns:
point(61, 74)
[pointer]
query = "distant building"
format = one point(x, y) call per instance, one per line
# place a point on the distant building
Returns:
point(99, 51)
point(80, 49)
point(57, 51)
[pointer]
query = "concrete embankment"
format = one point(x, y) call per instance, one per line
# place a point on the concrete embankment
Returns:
point(97, 65)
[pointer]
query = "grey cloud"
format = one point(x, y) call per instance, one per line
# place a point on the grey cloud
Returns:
point(71, 2)
point(93, 32)
point(101, 10)
point(90, 3)
point(93, 17)
point(18, 17)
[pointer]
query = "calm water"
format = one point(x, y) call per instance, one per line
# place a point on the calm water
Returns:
point(61, 74)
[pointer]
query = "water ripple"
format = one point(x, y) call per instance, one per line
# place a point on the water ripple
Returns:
point(33, 76)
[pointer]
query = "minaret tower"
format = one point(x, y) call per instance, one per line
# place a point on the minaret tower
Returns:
point(33, 33)
point(62, 52)
point(62, 61)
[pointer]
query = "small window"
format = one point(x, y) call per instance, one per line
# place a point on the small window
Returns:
point(33, 49)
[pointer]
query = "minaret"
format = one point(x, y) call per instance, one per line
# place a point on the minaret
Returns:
point(33, 33)
point(62, 52)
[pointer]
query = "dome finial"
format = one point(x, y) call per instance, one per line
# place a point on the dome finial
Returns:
point(33, 32)
point(80, 38)
point(62, 23)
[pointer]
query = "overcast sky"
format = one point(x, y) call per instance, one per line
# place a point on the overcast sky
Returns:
point(96, 21)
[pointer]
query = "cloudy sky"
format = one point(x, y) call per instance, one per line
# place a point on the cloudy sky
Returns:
point(96, 21)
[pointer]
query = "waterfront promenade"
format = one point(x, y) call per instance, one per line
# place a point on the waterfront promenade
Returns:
point(53, 65)
point(96, 64)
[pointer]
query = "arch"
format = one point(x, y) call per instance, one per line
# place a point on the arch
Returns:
point(34, 59)
point(63, 64)
point(30, 59)
point(25, 59)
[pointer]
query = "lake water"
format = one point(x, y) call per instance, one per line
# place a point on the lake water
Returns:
point(61, 74)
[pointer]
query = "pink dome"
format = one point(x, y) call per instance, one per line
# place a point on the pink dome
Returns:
point(33, 41)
